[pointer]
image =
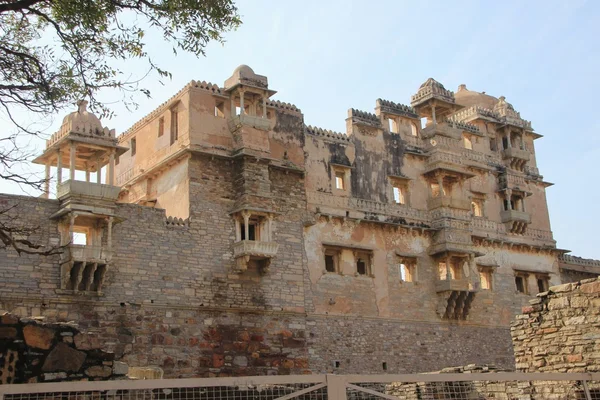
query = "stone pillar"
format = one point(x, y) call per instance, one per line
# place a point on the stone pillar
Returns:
point(58, 169)
point(440, 180)
point(508, 138)
point(508, 194)
point(109, 236)
point(47, 181)
point(246, 216)
point(242, 111)
point(87, 172)
point(270, 223)
point(238, 230)
point(448, 267)
point(98, 171)
point(111, 167)
point(71, 226)
point(73, 150)
point(433, 115)
point(264, 105)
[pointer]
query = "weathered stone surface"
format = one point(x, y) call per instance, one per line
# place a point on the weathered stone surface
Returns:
point(120, 368)
point(99, 371)
point(8, 333)
point(64, 358)
point(38, 336)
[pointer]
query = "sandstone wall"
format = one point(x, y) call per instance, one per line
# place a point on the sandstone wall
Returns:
point(31, 351)
point(560, 330)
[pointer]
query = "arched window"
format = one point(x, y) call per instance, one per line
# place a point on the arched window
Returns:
point(413, 129)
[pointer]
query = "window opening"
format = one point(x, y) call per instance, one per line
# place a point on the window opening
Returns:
point(435, 190)
point(331, 260)
point(363, 263)
point(542, 283)
point(132, 145)
point(384, 366)
point(174, 126)
point(493, 145)
point(504, 143)
point(477, 207)
point(392, 125)
point(161, 126)
point(413, 129)
point(485, 277)
point(361, 267)
point(467, 142)
point(252, 230)
point(423, 122)
point(407, 271)
point(80, 238)
point(220, 109)
point(399, 195)
point(520, 284)
point(339, 180)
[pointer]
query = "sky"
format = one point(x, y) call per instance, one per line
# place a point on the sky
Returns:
point(328, 56)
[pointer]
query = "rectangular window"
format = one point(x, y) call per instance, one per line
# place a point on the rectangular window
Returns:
point(80, 237)
point(392, 125)
point(543, 283)
point(161, 126)
point(331, 260)
point(174, 126)
point(339, 180)
point(455, 269)
point(132, 146)
point(467, 142)
point(363, 263)
point(252, 230)
point(521, 283)
point(477, 207)
point(407, 270)
point(220, 109)
point(435, 190)
point(485, 277)
point(493, 145)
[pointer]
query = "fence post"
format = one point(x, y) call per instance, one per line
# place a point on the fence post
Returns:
point(586, 390)
point(336, 387)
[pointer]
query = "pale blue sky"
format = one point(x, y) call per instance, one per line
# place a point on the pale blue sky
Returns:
point(327, 56)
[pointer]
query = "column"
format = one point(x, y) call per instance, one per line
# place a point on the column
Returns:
point(508, 194)
point(98, 171)
point(433, 115)
point(109, 236)
point(508, 138)
point(440, 180)
point(270, 237)
point(71, 227)
point(238, 230)
point(242, 112)
point(87, 172)
point(111, 167)
point(58, 169)
point(264, 105)
point(47, 181)
point(448, 267)
point(72, 161)
point(246, 225)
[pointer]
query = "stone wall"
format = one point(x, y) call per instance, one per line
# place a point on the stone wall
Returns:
point(560, 330)
point(32, 351)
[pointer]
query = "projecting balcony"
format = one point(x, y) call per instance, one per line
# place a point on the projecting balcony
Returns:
point(448, 201)
point(461, 285)
point(238, 121)
point(246, 250)
point(441, 128)
point(86, 253)
point(88, 190)
point(514, 215)
point(516, 153)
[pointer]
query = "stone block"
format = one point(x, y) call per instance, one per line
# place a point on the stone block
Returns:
point(8, 333)
point(84, 341)
point(99, 371)
point(38, 337)
point(120, 368)
point(8, 319)
point(64, 358)
point(588, 288)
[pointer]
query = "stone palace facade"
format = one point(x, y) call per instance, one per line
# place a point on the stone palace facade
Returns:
point(220, 235)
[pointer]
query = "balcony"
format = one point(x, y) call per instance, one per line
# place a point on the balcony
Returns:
point(514, 215)
point(246, 250)
point(461, 285)
point(516, 153)
point(515, 221)
point(85, 253)
point(238, 121)
point(443, 129)
point(448, 201)
point(88, 190)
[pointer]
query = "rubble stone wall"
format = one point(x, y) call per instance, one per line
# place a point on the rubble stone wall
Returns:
point(560, 330)
point(32, 351)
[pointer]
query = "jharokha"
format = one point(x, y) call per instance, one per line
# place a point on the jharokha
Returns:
point(221, 235)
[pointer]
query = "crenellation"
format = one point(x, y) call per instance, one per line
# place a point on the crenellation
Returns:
point(231, 238)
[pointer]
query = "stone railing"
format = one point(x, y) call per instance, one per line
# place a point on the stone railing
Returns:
point(257, 122)
point(511, 181)
point(139, 168)
point(445, 157)
point(514, 215)
point(313, 130)
point(539, 234)
point(432, 90)
point(390, 107)
point(410, 140)
point(448, 201)
point(255, 248)
point(517, 153)
point(82, 252)
point(452, 285)
point(395, 210)
point(85, 130)
point(473, 113)
point(93, 190)
point(442, 128)
point(568, 259)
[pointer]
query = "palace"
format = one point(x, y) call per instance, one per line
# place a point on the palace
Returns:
point(221, 235)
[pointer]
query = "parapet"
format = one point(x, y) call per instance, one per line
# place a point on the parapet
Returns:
point(312, 130)
point(364, 118)
point(390, 107)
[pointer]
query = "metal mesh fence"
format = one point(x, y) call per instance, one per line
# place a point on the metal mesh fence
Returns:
point(474, 390)
point(246, 392)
